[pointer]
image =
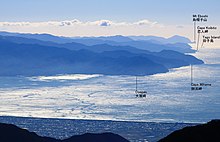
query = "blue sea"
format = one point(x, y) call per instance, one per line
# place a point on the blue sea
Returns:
point(100, 97)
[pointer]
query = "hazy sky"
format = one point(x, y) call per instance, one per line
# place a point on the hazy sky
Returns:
point(105, 17)
point(163, 11)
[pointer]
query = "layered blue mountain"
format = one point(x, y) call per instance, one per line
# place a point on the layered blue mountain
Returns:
point(33, 59)
point(43, 37)
point(168, 58)
point(162, 40)
point(150, 43)
point(73, 45)
point(25, 56)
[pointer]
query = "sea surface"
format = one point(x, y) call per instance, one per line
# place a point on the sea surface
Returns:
point(101, 97)
point(64, 105)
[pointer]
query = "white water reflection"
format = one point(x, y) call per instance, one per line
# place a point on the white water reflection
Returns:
point(64, 77)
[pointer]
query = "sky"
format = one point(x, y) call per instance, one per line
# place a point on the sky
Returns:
point(106, 17)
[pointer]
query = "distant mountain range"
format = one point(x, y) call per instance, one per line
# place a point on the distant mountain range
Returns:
point(150, 43)
point(162, 40)
point(12, 133)
point(20, 55)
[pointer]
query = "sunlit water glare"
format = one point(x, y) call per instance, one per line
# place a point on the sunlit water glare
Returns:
point(103, 97)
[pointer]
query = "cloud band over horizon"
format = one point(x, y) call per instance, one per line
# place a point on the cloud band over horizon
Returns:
point(76, 22)
point(76, 28)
